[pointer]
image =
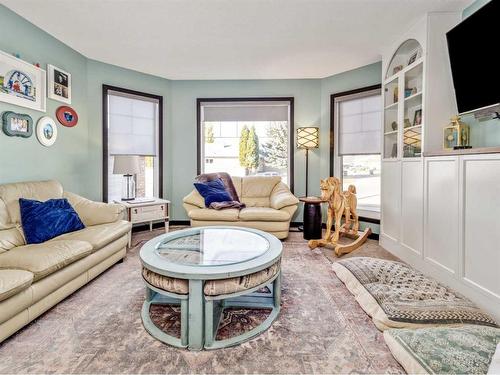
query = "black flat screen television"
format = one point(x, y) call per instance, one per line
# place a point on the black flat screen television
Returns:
point(474, 49)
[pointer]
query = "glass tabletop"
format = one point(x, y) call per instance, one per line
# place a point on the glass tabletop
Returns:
point(213, 247)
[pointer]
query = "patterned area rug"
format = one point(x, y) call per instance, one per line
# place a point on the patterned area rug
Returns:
point(98, 329)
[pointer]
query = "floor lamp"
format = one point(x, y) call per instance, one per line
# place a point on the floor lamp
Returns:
point(307, 138)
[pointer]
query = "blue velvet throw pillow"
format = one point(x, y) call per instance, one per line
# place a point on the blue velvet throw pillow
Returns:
point(43, 221)
point(212, 191)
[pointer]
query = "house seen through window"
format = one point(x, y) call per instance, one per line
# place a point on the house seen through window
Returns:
point(246, 138)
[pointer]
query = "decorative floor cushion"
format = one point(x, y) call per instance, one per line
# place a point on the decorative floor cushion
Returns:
point(495, 362)
point(467, 349)
point(398, 296)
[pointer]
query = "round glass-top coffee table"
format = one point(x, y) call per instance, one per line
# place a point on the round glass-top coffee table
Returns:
point(205, 270)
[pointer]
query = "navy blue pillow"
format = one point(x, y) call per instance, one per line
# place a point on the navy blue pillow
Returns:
point(43, 221)
point(213, 191)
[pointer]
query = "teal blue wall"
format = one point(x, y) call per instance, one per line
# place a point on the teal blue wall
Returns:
point(473, 7)
point(182, 151)
point(483, 133)
point(26, 159)
point(75, 159)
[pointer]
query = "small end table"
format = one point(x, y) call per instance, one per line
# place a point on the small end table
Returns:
point(147, 212)
point(312, 217)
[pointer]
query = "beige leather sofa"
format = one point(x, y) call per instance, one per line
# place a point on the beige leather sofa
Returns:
point(33, 278)
point(269, 206)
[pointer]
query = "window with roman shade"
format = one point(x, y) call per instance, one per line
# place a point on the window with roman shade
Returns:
point(357, 130)
point(133, 128)
point(360, 124)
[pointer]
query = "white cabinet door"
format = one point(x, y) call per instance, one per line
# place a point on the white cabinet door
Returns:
point(481, 201)
point(412, 205)
point(391, 199)
point(441, 213)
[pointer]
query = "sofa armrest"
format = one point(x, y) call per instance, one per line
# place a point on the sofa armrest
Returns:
point(282, 197)
point(94, 213)
point(195, 199)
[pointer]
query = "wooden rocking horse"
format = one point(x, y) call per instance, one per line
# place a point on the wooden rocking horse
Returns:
point(340, 203)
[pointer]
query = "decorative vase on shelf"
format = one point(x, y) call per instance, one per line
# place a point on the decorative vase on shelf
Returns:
point(456, 135)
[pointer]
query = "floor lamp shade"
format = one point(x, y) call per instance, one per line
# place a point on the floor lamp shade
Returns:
point(128, 166)
point(307, 138)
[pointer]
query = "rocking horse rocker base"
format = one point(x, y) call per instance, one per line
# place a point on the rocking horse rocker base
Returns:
point(340, 249)
point(340, 204)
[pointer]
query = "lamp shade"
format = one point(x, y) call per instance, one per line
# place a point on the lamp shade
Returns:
point(308, 137)
point(126, 164)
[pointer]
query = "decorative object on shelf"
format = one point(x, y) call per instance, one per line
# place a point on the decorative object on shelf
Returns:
point(394, 125)
point(414, 90)
point(397, 69)
point(21, 83)
point(46, 131)
point(340, 204)
point(394, 152)
point(67, 116)
point(307, 138)
point(408, 92)
point(395, 95)
point(407, 123)
point(59, 84)
point(414, 55)
point(128, 166)
point(417, 117)
point(17, 124)
point(456, 135)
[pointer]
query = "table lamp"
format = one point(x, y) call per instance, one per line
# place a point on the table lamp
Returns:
point(128, 166)
point(307, 138)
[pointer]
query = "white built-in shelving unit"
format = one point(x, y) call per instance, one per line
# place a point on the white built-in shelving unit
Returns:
point(438, 213)
point(403, 95)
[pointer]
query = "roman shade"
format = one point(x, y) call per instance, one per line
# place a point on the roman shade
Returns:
point(359, 123)
point(132, 124)
point(245, 111)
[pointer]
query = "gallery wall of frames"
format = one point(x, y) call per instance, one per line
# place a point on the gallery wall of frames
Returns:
point(28, 85)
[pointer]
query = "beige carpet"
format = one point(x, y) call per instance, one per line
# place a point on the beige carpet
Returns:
point(321, 329)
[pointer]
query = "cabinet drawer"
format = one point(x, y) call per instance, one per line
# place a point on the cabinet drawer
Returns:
point(147, 213)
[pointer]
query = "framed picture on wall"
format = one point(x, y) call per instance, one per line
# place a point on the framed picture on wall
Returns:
point(59, 84)
point(21, 83)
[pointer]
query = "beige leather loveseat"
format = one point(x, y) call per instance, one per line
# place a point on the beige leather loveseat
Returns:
point(269, 206)
point(33, 278)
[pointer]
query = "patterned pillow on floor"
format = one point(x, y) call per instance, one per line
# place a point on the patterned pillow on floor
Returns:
point(397, 296)
point(468, 349)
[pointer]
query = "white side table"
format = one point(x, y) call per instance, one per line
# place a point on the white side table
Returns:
point(147, 212)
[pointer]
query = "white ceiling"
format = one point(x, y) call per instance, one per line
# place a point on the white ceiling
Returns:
point(230, 39)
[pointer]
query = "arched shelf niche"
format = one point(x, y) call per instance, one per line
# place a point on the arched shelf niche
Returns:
point(407, 53)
